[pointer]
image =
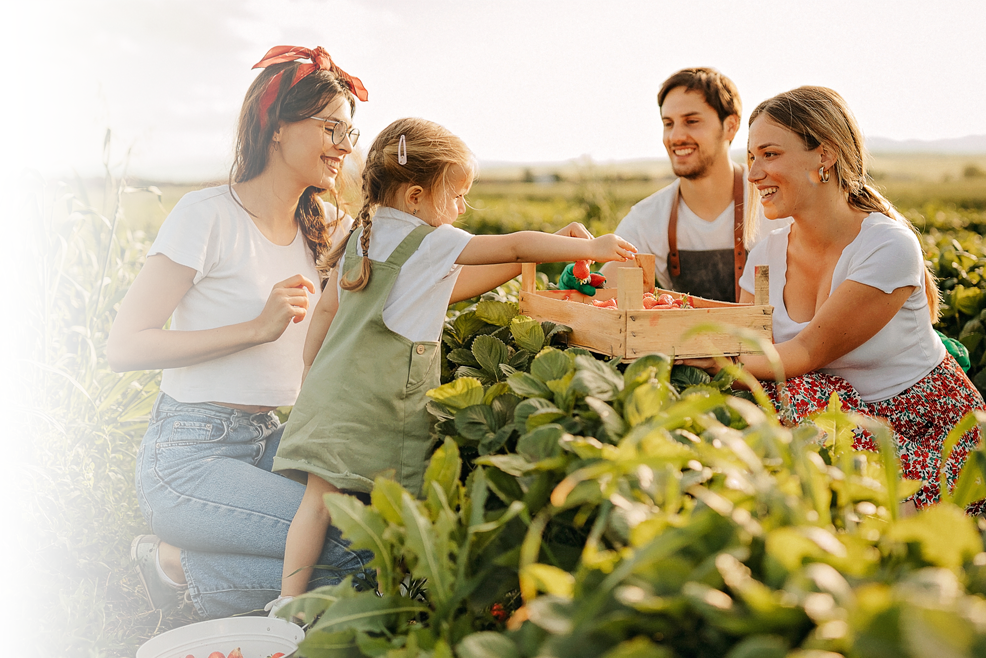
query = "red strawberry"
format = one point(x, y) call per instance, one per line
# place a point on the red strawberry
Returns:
point(217, 654)
point(665, 299)
point(649, 302)
point(596, 279)
point(235, 653)
point(581, 271)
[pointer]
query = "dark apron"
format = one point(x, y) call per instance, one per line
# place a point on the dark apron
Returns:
point(712, 273)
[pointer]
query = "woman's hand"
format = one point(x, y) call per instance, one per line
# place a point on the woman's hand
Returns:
point(611, 247)
point(138, 341)
point(288, 302)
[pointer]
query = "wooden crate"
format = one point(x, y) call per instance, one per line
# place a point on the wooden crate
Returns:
point(632, 331)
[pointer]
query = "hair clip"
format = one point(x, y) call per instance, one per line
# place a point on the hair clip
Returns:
point(402, 151)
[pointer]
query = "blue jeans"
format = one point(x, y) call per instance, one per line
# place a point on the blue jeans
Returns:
point(204, 484)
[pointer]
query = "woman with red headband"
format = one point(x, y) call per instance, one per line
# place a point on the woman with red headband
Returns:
point(234, 267)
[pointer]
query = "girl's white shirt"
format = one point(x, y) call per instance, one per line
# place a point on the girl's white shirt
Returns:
point(236, 267)
point(416, 306)
point(885, 255)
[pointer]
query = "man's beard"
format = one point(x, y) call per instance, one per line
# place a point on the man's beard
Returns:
point(697, 170)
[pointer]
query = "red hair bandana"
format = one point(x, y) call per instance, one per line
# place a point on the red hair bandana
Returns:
point(320, 60)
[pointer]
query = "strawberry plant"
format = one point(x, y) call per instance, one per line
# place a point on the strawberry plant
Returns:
point(579, 507)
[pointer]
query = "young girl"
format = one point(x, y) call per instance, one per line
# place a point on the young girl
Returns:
point(233, 266)
point(361, 411)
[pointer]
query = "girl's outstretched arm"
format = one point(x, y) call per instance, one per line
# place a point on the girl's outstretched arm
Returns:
point(474, 280)
point(138, 341)
point(537, 247)
point(325, 312)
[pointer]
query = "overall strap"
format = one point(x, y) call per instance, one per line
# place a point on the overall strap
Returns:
point(409, 245)
point(739, 251)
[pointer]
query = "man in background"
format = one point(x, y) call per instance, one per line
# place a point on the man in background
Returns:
point(694, 226)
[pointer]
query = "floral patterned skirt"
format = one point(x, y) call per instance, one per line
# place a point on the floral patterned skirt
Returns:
point(921, 417)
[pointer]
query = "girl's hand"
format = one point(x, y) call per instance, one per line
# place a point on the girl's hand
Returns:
point(611, 247)
point(288, 302)
point(575, 230)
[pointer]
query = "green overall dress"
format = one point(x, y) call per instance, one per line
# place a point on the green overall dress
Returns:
point(361, 412)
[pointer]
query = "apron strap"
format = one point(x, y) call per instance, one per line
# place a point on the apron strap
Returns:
point(739, 251)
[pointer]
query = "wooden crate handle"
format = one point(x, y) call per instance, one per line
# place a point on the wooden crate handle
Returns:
point(528, 277)
point(646, 264)
point(761, 285)
point(629, 288)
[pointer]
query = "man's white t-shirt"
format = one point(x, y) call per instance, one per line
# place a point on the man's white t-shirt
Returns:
point(646, 227)
point(885, 255)
point(236, 267)
point(418, 301)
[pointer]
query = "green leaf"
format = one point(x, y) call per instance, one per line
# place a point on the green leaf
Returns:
point(541, 443)
point(551, 364)
point(476, 422)
point(495, 391)
point(650, 366)
point(463, 357)
point(494, 312)
point(531, 406)
point(638, 647)
point(971, 485)
point(458, 394)
point(490, 352)
point(365, 528)
point(685, 376)
point(443, 471)
point(946, 536)
point(760, 646)
point(528, 386)
point(595, 378)
point(329, 644)
point(366, 613)
point(646, 401)
point(386, 498)
point(430, 544)
point(612, 421)
point(514, 465)
point(487, 644)
point(493, 442)
point(528, 333)
point(967, 300)
point(467, 325)
point(550, 579)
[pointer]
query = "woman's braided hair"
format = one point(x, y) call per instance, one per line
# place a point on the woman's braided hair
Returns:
point(431, 153)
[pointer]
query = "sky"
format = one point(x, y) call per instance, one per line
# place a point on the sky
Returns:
point(519, 80)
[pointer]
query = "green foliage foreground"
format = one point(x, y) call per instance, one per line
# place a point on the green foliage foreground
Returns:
point(575, 509)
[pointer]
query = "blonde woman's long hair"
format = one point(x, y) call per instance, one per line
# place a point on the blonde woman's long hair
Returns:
point(429, 153)
point(819, 115)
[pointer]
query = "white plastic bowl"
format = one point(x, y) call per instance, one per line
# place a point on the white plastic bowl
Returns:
point(257, 637)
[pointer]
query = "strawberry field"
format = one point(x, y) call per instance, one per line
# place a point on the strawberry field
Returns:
point(574, 506)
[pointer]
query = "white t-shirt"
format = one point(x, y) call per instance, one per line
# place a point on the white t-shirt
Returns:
point(236, 267)
point(885, 255)
point(646, 227)
point(418, 301)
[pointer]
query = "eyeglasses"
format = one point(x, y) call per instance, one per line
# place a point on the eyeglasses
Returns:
point(338, 130)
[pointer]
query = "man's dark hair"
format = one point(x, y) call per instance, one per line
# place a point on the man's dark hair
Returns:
point(719, 91)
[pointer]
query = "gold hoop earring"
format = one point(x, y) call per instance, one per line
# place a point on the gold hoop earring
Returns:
point(823, 175)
